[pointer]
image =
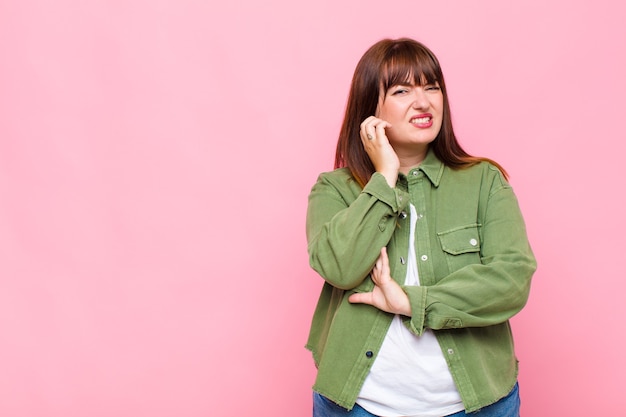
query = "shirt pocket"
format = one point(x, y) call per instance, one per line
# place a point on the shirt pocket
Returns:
point(461, 246)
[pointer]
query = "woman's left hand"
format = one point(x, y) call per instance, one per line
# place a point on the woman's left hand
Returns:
point(387, 295)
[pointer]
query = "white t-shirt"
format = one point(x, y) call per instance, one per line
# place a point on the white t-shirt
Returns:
point(410, 376)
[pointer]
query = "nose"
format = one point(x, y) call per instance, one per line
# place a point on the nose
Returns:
point(420, 100)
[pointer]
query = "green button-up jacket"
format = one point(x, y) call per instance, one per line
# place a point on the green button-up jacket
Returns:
point(475, 266)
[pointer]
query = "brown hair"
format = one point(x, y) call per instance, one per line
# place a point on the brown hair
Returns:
point(385, 64)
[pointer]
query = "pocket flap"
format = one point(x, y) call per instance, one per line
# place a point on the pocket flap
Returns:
point(460, 240)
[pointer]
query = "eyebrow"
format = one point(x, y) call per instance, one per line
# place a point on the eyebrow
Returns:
point(402, 84)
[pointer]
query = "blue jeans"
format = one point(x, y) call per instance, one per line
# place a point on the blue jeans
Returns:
point(506, 407)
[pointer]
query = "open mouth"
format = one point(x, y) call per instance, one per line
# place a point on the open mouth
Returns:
point(422, 120)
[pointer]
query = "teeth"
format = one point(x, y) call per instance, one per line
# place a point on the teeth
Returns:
point(420, 120)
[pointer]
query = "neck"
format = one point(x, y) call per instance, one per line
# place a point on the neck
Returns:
point(408, 161)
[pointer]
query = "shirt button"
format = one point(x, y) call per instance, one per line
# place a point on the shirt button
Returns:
point(424, 257)
point(402, 260)
point(473, 242)
point(369, 353)
point(403, 215)
point(416, 173)
point(450, 351)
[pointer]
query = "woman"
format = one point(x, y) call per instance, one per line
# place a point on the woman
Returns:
point(423, 251)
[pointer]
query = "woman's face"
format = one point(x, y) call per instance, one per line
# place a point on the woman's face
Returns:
point(415, 113)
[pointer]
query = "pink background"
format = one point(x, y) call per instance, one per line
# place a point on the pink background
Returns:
point(155, 161)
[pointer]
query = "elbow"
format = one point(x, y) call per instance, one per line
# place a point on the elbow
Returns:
point(333, 273)
point(522, 292)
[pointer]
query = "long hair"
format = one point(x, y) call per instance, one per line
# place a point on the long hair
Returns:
point(385, 64)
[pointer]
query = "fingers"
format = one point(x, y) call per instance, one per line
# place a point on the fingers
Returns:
point(387, 295)
point(373, 128)
point(380, 271)
point(361, 298)
point(379, 149)
point(384, 261)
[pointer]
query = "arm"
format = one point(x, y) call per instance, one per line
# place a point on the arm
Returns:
point(347, 226)
point(487, 293)
point(387, 294)
point(476, 295)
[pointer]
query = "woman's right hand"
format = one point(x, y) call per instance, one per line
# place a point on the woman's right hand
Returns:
point(379, 149)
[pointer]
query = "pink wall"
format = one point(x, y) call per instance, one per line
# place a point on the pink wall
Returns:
point(156, 156)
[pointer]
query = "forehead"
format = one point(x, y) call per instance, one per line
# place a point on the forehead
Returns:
point(409, 67)
point(408, 75)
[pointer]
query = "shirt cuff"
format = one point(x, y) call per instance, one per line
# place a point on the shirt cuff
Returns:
point(377, 187)
point(417, 298)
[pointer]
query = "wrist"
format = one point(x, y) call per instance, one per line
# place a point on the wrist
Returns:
point(391, 177)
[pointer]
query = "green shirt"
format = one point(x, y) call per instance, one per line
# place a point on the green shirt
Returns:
point(474, 261)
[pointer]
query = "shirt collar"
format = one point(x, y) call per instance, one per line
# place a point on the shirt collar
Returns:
point(432, 167)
